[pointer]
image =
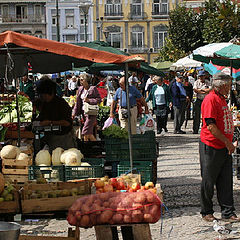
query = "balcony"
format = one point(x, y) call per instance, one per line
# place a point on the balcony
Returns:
point(113, 15)
point(137, 49)
point(137, 16)
point(23, 19)
point(158, 14)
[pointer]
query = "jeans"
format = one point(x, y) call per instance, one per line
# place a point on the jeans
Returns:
point(197, 115)
point(179, 115)
point(216, 169)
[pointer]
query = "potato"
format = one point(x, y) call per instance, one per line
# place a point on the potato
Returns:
point(103, 196)
point(137, 216)
point(148, 218)
point(72, 220)
point(137, 205)
point(78, 215)
point(106, 216)
point(150, 197)
point(84, 222)
point(153, 210)
point(117, 218)
point(85, 209)
point(93, 219)
point(96, 208)
point(140, 197)
point(127, 219)
point(106, 205)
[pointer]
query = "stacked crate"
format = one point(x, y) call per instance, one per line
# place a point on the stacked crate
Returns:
point(144, 150)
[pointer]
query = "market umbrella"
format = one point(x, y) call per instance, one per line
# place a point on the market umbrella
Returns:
point(213, 69)
point(164, 66)
point(222, 54)
point(103, 46)
point(46, 56)
point(186, 62)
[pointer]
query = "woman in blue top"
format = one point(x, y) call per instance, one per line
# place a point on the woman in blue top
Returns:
point(161, 99)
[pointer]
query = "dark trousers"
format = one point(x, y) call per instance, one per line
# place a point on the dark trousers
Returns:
point(197, 115)
point(179, 115)
point(161, 118)
point(216, 169)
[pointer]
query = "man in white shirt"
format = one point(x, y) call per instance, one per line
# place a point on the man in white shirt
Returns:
point(72, 86)
point(201, 87)
point(133, 80)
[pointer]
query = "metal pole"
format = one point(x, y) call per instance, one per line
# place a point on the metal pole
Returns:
point(85, 26)
point(18, 116)
point(58, 31)
point(129, 117)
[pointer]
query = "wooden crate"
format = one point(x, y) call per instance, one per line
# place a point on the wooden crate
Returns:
point(13, 134)
point(15, 170)
point(52, 204)
point(10, 206)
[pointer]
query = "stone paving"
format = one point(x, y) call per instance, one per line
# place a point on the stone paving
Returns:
point(179, 176)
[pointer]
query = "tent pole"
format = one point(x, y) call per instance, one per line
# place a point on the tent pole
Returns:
point(231, 67)
point(129, 117)
point(10, 66)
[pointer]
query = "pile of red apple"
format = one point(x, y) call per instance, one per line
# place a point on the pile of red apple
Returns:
point(128, 184)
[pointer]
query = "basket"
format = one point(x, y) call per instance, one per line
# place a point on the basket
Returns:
point(50, 173)
point(144, 168)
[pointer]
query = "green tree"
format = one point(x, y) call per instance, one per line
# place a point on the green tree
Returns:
point(169, 52)
point(185, 28)
point(221, 20)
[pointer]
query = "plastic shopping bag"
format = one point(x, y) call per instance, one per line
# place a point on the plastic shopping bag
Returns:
point(115, 208)
point(147, 123)
point(109, 122)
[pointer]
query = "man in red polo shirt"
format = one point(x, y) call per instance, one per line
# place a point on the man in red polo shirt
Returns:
point(215, 151)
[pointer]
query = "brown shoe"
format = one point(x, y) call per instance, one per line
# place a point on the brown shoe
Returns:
point(209, 218)
point(231, 219)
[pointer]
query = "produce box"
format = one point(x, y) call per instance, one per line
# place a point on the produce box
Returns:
point(96, 169)
point(10, 134)
point(144, 168)
point(9, 203)
point(50, 173)
point(15, 170)
point(144, 147)
point(52, 197)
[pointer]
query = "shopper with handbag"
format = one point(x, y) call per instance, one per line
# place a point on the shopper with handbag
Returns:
point(86, 105)
point(121, 97)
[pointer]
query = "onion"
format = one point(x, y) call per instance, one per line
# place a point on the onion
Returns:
point(85, 221)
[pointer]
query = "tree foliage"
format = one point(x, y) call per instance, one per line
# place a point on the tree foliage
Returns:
point(216, 21)
point(221, 21)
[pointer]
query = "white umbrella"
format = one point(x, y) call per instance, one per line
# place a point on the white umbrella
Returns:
point(186, 62)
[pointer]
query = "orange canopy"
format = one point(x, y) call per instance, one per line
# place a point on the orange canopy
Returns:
point(47, 56)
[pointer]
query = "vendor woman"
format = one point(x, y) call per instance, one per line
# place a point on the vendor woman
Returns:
point(55, 111)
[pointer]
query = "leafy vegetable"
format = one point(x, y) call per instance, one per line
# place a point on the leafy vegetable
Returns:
point(115, 131)
point(103, 115)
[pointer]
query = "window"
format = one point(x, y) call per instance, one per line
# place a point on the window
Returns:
point(114, 38)
point(5, 10)
point(113, 8)
point(38, 12)
point(160, 33)
point(137, 7)
point(69, 21)
point(54, 37)
point(54, 21)
point(70, 38)
point(137, 37)
point(69, 11)
point(160, 7)
point(21, 12)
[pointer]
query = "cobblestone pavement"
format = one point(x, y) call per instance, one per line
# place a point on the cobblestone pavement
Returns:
point(179, 176)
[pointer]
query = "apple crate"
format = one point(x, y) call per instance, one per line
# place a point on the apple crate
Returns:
point(144, 168)
point(11, 206)
point(52, 197)
point(96, 170)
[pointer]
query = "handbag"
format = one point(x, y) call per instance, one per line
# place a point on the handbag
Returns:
point(90, 109)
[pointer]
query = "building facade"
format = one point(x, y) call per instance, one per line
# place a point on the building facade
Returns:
point(71, 21)
point(134, 26)
point(23, 16)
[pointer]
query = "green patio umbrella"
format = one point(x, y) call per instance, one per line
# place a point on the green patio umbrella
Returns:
point(164, 66)
point(103, 46)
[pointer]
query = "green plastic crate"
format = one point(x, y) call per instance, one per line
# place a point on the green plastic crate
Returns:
point(80, 172)
point(94, 161)
point(50, 173)
point(140, 167)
